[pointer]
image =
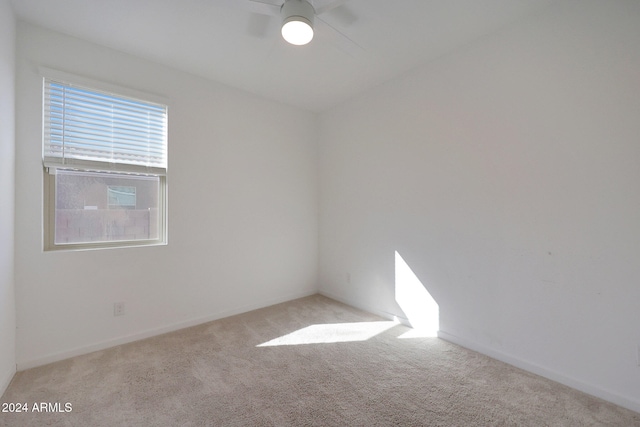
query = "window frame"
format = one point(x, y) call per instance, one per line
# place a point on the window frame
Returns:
point(49, 172)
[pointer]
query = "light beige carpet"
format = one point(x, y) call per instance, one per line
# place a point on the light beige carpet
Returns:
point(309, 362)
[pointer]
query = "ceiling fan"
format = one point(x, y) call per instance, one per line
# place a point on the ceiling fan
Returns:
point(300, 21)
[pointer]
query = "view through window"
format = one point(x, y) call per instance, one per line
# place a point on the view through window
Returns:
point(102, 207)
point(105, 160)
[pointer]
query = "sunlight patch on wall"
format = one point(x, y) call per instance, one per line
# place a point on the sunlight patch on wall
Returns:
point(332, 333)
point(416, 302)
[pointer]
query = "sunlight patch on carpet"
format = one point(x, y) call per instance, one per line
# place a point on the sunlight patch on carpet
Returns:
point(332, 333)
point(419, 333)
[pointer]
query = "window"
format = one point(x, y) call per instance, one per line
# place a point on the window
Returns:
point(105, 160)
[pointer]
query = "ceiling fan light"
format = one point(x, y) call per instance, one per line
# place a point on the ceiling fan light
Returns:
point(297, 21)
point(297, 31)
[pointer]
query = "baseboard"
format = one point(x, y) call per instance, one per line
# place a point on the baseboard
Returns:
point(102, 345)
point(5, 380)
point(363, 307)
point(609, 396)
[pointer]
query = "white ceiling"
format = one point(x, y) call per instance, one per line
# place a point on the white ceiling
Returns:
point(223, 41)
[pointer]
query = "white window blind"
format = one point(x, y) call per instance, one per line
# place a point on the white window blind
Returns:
point(89, 129)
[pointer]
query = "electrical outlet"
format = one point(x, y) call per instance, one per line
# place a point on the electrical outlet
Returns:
point(118, 309)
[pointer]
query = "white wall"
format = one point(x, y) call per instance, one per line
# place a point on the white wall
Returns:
point(7, 151)
point(507, 176)
point(242, 211)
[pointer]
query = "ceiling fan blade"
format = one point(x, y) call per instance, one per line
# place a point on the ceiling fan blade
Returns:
point(258, 25)
point(266, 7)
point(255, 6)
point(324, 6)
point(337, 38)
point(342, 15)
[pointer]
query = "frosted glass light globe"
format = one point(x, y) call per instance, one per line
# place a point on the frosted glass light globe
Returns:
point(297, 32)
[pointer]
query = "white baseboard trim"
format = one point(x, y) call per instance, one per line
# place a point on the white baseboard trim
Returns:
point(609, 396)
point(102, 345)
point(354, 304)
point(5, 380)
point(625, 402)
